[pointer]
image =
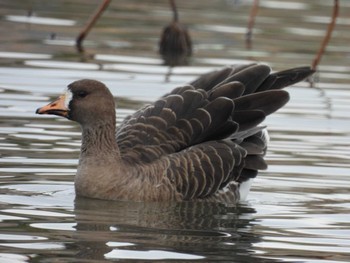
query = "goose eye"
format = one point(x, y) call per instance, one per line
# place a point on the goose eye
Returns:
point(81, 94)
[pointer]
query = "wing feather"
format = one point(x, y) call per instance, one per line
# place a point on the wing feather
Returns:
point(206, 132)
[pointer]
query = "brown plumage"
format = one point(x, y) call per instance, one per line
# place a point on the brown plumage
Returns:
point(200, 141)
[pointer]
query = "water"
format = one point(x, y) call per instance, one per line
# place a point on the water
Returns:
point(298, 210)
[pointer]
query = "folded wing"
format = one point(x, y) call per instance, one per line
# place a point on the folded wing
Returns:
point(205, 136)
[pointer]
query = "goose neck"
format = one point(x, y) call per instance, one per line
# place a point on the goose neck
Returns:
point(99, 140)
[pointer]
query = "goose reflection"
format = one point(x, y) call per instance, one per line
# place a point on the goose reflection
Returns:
point(192, 230)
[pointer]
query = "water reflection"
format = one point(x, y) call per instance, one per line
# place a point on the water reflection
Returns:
point(149, 228)
point(40, 20)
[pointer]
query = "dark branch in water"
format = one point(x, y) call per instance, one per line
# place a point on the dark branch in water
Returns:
point(174, 9)
point(90, 24)
point(327, 36)
point(251, 22)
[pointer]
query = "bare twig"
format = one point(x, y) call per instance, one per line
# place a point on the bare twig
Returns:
point(90, 24)
point(327, 36)
point(251, 21)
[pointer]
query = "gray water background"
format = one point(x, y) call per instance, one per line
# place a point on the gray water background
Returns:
point(298, 210)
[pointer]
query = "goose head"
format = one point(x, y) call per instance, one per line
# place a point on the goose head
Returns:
point(88, 102)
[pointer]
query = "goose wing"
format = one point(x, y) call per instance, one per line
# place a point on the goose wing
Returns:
point(224, 104)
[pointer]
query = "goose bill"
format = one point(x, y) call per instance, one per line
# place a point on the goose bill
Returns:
point(57, 107)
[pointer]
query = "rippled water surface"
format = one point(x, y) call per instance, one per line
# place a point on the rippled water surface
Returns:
point(298, 210)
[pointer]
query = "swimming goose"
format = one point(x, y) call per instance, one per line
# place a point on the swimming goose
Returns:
point(201, 141)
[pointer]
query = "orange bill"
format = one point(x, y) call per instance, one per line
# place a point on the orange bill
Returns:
point(57, 107)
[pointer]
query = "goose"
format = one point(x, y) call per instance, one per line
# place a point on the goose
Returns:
point(202, 141)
